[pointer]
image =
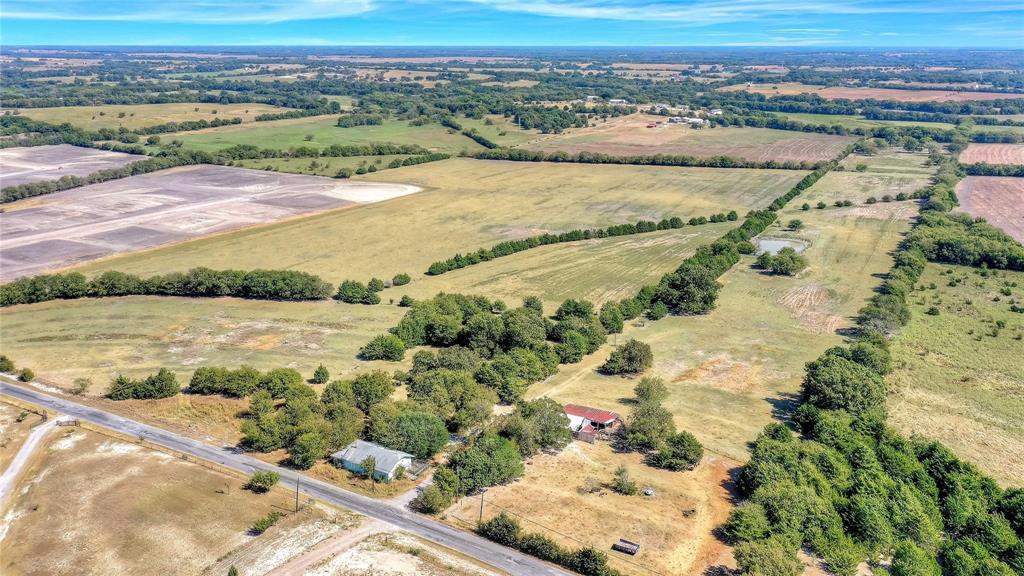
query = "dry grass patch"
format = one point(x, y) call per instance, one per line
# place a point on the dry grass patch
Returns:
point(467, 204)
point(134, 116)
point(630, 136)
point(956, 382)
point(674, 526)
point(97, 339)
point(76, 503)
point(12, 432)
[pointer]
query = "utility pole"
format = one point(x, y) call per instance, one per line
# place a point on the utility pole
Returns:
point(297, 477)
point(481, 518)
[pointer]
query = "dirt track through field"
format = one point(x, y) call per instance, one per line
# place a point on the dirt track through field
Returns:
point(998, 199)
point(82, 224)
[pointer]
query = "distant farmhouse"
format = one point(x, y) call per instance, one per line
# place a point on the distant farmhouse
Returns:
point(586, 422)
point(387, 461)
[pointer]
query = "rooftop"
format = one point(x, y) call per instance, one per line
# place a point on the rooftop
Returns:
point(592, 414)
point(358, 450)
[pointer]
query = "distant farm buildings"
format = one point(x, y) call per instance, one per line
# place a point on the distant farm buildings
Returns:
point(587, 423)
point(386, 461)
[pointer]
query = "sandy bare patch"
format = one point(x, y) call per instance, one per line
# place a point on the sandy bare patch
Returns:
point(38, 163)
point(165, 207)
point(724, 373)
point(812, 306)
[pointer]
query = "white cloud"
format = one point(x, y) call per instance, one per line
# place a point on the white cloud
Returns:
point(702, 12)
point(190, 11)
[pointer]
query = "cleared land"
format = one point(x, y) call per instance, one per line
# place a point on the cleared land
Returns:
point(597, 270)
point(502, 131)
point(993, 154)
point(467, 204)
point(726, 382)
point(837, 92)
point(38, 163)
point(955, 381)
point(142, 115)
point(70, 515)
point(674, 526)
point(1000, 200)
point(129, 214)
point(324, 132)
point(629, 136)
point(99, 338)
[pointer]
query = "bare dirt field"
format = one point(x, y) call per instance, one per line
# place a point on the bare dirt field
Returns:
point(673, 526)
point(993, 154)
point(139, 212)
point(38, 163)
point(630, 136)
point(72, 511)
point(998, 199)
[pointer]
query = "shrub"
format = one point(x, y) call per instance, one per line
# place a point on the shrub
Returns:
point(770, 557)
point(262, 481)
point(26, 375)
point(747, 522)
point(401, 279)
point(623, 483)
point(745, 247)
point(502, 529)
point(6, 365)
point(263, 524)
point(632, 357)
point(432, 500)
point(163, 384)
point(650, 389)
point(383, 347)
point(681, 451)
point(657, 311)
point(321, 375)
point(932, 311)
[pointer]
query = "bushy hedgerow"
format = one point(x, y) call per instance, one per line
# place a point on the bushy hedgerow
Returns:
point(163, 384)
point(506, 531)
point(197, 282)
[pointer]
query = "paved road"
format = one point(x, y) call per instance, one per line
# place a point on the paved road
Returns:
point(467, 543)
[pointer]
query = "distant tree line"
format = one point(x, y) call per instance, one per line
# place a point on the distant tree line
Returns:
point(522, 155)
point(353, 120)
point(197, 282)
point(332, 107)
point(452, 123)
point(510, 247)
point(986, 169)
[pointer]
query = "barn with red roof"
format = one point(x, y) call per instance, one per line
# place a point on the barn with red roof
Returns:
point(586, 422)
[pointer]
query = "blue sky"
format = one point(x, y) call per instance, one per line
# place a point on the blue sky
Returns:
point(812, 23)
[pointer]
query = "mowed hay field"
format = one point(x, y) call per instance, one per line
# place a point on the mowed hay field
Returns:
point(132, 116)
point(629, 136)
point(324, 131)
point(730, 372)
point(993, 154)
point(596, 270)
point(100, 338)
point(958, 377)
point(997, 199)
point(467, 204)
point(674, 526)
point(73, 511)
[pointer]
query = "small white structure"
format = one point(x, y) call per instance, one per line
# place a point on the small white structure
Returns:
point(716, 111)
point(618, 101)
point(386, 460)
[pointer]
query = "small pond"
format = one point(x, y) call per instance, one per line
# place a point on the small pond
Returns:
point(773, 245)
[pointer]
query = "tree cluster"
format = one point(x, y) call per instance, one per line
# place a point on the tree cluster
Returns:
point(197, 282)
point(506, 531)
